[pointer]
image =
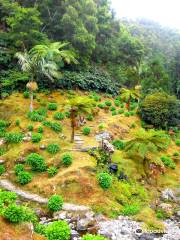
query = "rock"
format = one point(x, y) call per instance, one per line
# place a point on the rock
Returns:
point(113, 168)
point(107, 146)
point(2, 161)
point(2, 142)
point(40, 213)
point(26, 139)
point(42, 147)
point(83, 224)
point(61, 215)
point(103, 136)
point(74, 235)
point(167, 208)
point(168, 195)
point(20, 160)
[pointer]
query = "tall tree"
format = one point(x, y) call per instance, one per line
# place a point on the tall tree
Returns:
point(42, 60)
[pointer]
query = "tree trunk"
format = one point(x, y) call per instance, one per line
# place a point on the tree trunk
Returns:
point(73, 124)
point(128, 104)
point(31, 101)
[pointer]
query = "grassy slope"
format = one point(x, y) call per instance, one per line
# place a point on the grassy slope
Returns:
point(78, 183)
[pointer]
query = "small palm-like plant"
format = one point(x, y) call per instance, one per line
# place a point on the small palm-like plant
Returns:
point(128, 95)
point(146, 144)
point(77, 106)
point(42, 60)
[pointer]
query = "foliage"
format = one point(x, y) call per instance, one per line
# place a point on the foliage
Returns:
point(130, 210)
point(36, 162)
point(30, 127)
point(108, 103)
point(58, 230)
point(89, 117)
point(160, 109)
point(86, 130)
point(36, 137)
point(52, 106)
point(13, 137)
point(18, 122)
point(55, 126)
point(13, 213)
point(40, 229)
point(2, 169)
point(53, 148)
point(26, 94)
point(40, 129)
point(67, 159)
point(178, 142)
point(35, 116)
point(55, 203)
point(120, 145)
point(7, 197)
point(18, 168)
point(52, 171)
point(93, 237)
point(24, 177)
point(104, 180)
point(168, 162)
point(59, 116)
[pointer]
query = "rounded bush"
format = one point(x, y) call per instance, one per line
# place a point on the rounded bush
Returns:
point(13, 137)
point(114, 113)
point(52, 106)
point(14, 213)
point(24, 177)
point(168, 162)
point(108, 103)
point(55, 203)
point(127, 114)
point(35, 116)
point(2, 169)
point(53, 148)
point(36, 162)
point(129, 210)
point(67, 159)
point(18, 122)
point(89, 117)
point(40, 229)
point(30, 127)
point(59, 116)
point(52, 171)
point(8, 197)
point(18, 168)
point(120, 111)
point(104, 180)
point(36, 137)
point(40, 129)
point(112, 109)
point(26, 94)
point(117, 103)
point(178, 142)
point(86, 131)
point(58, 230)
point(93, 237)
point(101, 105)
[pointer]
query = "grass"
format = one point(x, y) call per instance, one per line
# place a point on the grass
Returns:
point(78, 183)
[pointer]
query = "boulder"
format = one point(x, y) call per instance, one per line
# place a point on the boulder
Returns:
point(107, 146)
point(168, 195)
point(2, 161)
point(42, 147)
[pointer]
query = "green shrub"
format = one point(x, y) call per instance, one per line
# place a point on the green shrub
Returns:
point(108, 103)
point(4, 124)
point(160, 110)
point(101, 105)
point(89, 117)
point(86, 131)
point(2, 169)
point(176, 154)
point(58, 230)
point(36, 162)
point(59, 116)
point(40, 129)
point(178, 142)
point(26, 94)
point(42, 111)
point(53, 148)
point(117, 103)
point(161, 214)
point(127, 114)
point(55, 203)
point(168, 162)
point(120, 111)
point(101, 126)
point(52, 171)
point(36, 137)
point(112, 109)
point(52, 106)
point(133, 125)
point(35, 116)
point(93, 237)
point(67, 159)
point(120, 145)
point(18, 168)
point(2, 151)
point(13, 137)
point(30, 127)
point(7, 197)
point(129, 210)
point(14, 213)
point(24, 177)
point(40, 228)
point(56, 127)
point(114, 113)
point(67, 114)
point(104, 180)
point(18, 122)
point(131, 113)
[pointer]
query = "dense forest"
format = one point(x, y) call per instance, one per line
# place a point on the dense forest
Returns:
point(89, 123)
point(110, 52)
